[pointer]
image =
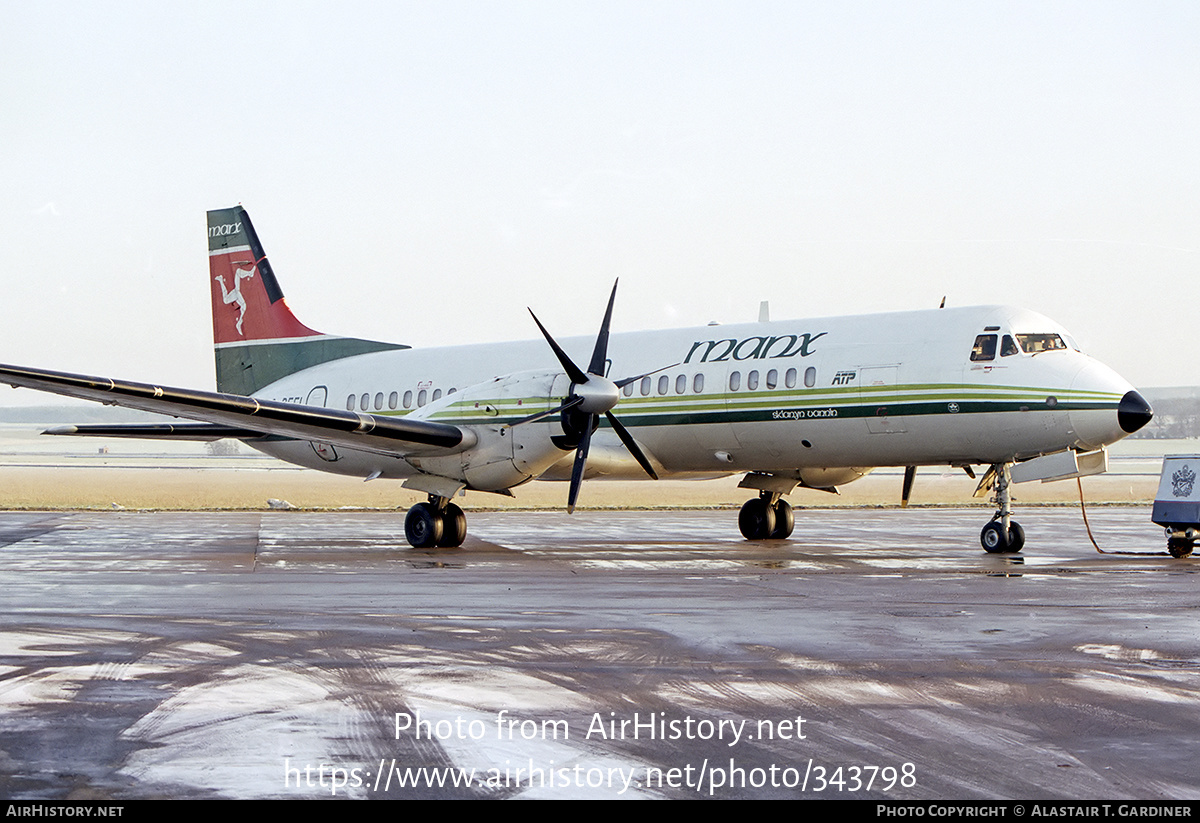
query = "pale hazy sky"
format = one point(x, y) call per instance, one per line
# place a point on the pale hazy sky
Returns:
point(421, 172)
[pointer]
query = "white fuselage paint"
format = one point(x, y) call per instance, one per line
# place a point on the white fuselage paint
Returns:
point(886, 390)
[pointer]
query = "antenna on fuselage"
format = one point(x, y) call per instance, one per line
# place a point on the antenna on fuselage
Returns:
point(764, 311)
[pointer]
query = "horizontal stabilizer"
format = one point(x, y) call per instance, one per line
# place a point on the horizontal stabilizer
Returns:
point(367, 432)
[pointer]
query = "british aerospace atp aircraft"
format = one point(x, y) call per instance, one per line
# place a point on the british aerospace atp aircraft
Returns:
point(808, 403)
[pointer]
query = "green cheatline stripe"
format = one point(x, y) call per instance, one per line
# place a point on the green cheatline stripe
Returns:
point(777, 398)
point(693, 416)
point(721, 414)
point(845, 413)
point(767, 402)
point(939, 391)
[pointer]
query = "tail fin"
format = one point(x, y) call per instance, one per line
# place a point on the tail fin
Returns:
point(257, 338)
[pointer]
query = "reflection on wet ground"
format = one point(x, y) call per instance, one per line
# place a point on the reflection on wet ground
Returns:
point(274, 655)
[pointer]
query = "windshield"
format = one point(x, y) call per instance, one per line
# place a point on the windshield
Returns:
point(1036, 343)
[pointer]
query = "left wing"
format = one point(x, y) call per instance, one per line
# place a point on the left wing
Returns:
point(250, 416)
point(202, 432)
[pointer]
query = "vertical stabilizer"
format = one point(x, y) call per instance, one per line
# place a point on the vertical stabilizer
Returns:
point(257, 338)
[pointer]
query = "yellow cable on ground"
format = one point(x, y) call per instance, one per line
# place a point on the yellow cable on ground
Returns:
point(1088, 526)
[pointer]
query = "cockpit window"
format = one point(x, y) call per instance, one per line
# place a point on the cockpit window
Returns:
point(1008, 346)
point(984, 348)
point(1036, 343)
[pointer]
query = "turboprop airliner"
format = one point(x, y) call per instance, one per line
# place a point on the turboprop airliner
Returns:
point(813, 403)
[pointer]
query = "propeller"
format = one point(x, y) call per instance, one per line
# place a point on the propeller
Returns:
point(591, 395)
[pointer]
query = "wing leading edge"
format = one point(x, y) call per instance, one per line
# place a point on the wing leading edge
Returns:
point(249, 416)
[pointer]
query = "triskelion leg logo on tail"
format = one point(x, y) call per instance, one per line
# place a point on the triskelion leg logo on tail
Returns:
point(234, 295)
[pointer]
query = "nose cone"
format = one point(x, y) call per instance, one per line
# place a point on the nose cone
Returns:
point(1098, 426)
point(1133, 412)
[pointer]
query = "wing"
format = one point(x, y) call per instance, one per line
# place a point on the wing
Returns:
point(249, 416)
point(202, 432)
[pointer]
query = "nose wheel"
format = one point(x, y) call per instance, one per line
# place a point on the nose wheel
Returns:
point(996, 540)
point(1002, 535)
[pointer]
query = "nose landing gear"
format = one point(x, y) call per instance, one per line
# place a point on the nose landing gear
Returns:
point(1002, 535)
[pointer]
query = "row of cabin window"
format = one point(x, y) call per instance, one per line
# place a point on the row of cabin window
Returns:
point(790, 377)
point(423, 396)
point(393, 400)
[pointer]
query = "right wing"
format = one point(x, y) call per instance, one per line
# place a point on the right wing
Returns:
point(248, 416)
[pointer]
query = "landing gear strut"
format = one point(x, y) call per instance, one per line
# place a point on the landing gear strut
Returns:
point(766, 517)
point(436, 523)
point(1002, 535)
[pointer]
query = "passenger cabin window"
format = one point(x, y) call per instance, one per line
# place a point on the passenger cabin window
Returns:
point(772, 378)
point(681, 384)
point(408, 399)
point(735, 380)
point(664, 383)
point(393, 400)
point(752, 380)
point(1038, 343)
point(698, 383)
point(644, 387)
point(984, 348)
point(810, 376)
point(789, 378)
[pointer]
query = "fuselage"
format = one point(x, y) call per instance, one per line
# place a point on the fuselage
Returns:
point(948, 386)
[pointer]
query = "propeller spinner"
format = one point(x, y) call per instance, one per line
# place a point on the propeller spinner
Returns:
point(591, 395)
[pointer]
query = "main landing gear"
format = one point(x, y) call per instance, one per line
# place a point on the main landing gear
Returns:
point(1002, 535)
point(437, 523)
point(766, 517)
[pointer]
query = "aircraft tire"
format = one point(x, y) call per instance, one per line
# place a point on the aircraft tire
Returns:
point(785, 521)
point(454, 527)
point(756, 520)
point(423, 526)
point(1016, 537)
point(995, 541)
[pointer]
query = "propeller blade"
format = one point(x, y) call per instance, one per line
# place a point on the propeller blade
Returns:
point(910, 474)
point(620, 384)
point(601, 395)
point(581, 453)
point(568, 365)
point(628, 440)
point(571, 403)
point(600, 353)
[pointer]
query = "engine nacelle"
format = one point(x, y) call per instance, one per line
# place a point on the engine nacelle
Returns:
point(504, 455)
